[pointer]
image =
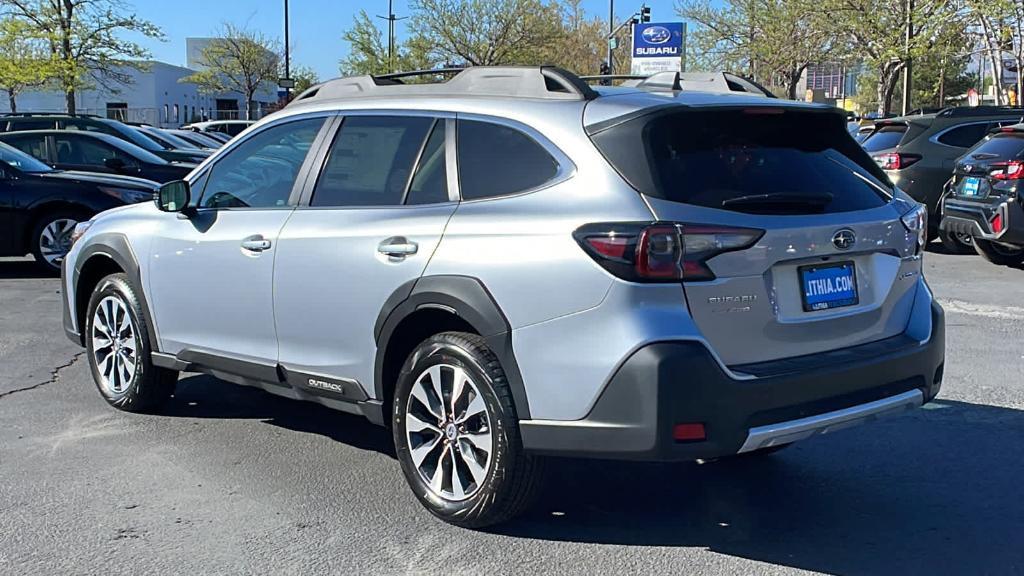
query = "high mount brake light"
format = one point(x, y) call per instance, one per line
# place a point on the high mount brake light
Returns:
point(661, 251)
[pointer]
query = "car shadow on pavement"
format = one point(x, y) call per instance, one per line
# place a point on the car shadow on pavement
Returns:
point(933, 492)
point(201, 396)
point(22, 269)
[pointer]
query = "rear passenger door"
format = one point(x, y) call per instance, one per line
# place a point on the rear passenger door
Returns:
point(366, 225)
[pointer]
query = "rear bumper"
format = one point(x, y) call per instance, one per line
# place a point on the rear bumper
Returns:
point(670, 383)
point(974, 218)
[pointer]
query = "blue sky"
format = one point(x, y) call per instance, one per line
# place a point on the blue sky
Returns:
point(316, 25)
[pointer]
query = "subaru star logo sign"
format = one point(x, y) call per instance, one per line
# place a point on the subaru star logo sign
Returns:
point(656, 35)
point(844, 239)
point(657, 47)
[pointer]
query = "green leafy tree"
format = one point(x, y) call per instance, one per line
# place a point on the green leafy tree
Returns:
point(580, 46)
point(238, 61)
point(485, 32)
point(85, 38)
point(305, 78)
point(875, 33)
point(25, 59)
point(771, 41)
point(368, 52)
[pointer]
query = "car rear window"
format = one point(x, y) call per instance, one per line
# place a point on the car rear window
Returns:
point(884, 137)
point(1001, 145)
point(779, 162)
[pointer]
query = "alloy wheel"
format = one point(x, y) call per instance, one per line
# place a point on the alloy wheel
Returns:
point(55, 240)
point(449, 432)
point(114, 346)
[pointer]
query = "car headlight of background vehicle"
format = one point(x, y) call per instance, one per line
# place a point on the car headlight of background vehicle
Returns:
point(916, 223)
point(128, 195)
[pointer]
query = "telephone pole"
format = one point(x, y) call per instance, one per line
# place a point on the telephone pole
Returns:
point(391, 18)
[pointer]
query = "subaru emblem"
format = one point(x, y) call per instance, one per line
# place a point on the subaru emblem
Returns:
point(844, 239)
point(656, 35)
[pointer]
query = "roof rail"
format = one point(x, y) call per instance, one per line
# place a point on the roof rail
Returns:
point(967, 111)
point(718, 82)
point(31, 114)
point(547, 82)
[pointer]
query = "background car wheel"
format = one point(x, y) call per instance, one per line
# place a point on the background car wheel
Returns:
point(997, 253)
point(457, 436)
point(51, 238)
point(956, 242)
point(118, 347)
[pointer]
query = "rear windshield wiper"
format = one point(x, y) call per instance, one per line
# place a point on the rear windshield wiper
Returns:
point(984, 156)
point(780, 199)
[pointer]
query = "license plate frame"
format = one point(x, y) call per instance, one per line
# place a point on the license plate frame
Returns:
point(812, 302)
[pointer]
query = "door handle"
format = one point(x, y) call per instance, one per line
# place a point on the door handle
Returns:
point(397, 247)
point(256, 244)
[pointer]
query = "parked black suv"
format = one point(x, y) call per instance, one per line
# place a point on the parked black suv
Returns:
point(95, 152)
point(40, 206)
point(42, 121)
point(983, 200)
point(918, 152)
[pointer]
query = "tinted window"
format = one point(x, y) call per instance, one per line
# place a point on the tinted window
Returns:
point(430, 183)
point(370, 161)
point(1004, 146)
point(20, 160)
point(30, 144)
point(789, 163)
point(87, 151)
point(885, 137)
point(964, 136)
point(261, 171)
point(20, 124)
point(495, 160)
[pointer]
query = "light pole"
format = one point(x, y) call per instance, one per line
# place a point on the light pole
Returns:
point(287, 55)
point(611, 32)
point(391, 18)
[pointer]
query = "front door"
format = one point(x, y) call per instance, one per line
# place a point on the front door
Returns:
point(374, 218)
point(211, 273)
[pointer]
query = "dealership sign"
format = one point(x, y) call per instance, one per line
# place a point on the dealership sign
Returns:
point(657, 47)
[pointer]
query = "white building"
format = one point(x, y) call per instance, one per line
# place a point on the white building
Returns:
point(154, 96)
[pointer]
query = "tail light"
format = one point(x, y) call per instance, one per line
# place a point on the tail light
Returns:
point(661, 251)
point(1012, 170)
point(916, 223)
point(896, 160)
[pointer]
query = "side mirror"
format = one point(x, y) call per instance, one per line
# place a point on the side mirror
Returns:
point(174, 196)
point(114, 164)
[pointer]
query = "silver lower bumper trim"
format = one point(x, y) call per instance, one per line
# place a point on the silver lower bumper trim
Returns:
point(786, 432)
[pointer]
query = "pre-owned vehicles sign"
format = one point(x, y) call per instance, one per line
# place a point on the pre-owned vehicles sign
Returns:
point(657, 47)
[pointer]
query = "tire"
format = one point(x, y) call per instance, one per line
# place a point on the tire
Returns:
point(125, 377)
point(494, 486)
point(50, 239)
point(1000, 254)
point(955, 243)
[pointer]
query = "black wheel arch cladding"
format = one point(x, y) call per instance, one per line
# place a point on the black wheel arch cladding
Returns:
point(468, 299)
point(113, 246)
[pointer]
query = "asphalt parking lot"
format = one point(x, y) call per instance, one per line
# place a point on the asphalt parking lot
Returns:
point(231, 480)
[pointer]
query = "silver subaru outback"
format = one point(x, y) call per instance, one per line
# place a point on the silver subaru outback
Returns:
point(512, 264)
